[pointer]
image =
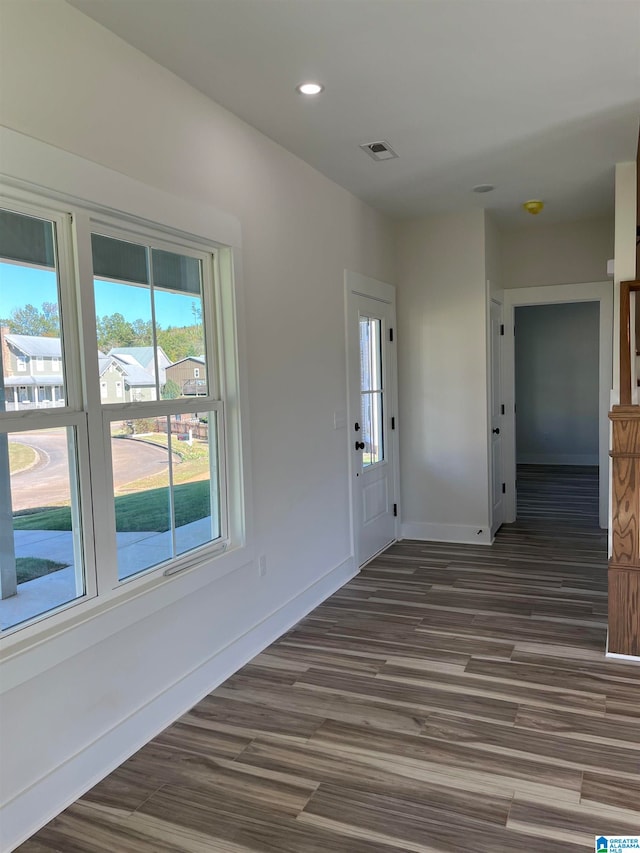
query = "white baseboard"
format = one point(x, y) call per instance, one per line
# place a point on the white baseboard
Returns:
point(616, 656)
point(457, 533)
point(32, 808)
point(558, 459)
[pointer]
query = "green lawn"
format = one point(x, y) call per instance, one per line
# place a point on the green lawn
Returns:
point(30, 568)
point(140, 511)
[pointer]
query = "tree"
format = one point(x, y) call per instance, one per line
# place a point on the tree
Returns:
point(114, 331)
point(171, 390)
point(142, 331)
point(181, 341)
point(44, 322)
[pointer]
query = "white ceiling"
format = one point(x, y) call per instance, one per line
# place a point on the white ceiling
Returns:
point(539, 97)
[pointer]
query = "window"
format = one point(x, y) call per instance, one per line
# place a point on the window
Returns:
point(43, 533)
point(172, 446)
point(196, 373)
point(143, 470)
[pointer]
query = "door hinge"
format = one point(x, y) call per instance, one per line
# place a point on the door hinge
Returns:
point(393, 423)
point(502, 408)
point(504, 488)
point(391, 335)
point(395, 510)
point(502, 328)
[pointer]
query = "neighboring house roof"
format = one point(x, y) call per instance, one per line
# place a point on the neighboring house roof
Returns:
point(143, 355)
point(36, 347)
point(104, 361)
point(133, 374)
point(16, 381)
point(197, 358)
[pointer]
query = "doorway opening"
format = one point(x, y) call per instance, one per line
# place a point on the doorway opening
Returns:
point(557, 352)
point(600, 296)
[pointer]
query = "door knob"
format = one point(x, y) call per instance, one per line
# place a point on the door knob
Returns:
point(356, 426)
point(359, 445)
point(496, 430)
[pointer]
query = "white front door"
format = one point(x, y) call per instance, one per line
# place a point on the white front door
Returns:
point(372, 426)
point(497, 417)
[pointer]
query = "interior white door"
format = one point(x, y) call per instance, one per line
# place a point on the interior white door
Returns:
point(497, 415)
point(373, 421)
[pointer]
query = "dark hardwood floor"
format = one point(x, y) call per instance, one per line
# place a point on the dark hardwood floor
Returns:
point(450, 698)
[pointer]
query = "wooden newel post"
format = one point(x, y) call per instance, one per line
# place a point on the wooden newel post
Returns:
point(624, 565)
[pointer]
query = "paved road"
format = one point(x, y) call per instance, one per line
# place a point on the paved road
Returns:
point(47, 482)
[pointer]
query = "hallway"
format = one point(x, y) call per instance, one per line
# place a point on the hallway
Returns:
point(558, 494)
point(450, 697)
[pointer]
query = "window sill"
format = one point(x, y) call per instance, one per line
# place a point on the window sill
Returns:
point(36, 648)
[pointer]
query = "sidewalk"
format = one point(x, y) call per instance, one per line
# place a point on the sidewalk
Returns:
point(136, 552)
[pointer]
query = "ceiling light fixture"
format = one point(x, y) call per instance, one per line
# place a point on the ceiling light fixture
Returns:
point(310, 88)
point(533, 206)
point(484, 188)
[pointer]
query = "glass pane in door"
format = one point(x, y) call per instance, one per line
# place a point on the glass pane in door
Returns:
point(371, 390)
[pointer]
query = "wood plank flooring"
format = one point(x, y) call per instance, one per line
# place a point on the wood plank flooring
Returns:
point(558, 493)
point(449, 698)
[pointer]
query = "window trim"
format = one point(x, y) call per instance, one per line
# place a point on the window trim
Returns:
point(209, 563)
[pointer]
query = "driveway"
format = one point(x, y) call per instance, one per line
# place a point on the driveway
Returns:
point(47, 482)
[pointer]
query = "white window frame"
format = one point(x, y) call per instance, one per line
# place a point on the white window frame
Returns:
point(21, 363)
point(195, 568)
point(132, 409)
point(40, 364)
point(71, 414)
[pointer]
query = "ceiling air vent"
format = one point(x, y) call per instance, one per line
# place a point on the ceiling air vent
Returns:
point(379, 150)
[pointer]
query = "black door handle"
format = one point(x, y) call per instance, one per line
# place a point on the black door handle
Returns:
point(356, 426)
point(496, 430)
point(359, 445)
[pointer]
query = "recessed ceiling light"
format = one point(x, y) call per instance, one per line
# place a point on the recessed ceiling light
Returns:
point(310, 88)
point(484, 188)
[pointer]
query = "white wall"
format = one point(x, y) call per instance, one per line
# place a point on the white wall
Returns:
point(493, 238)
point(557, 383)
point(443, 377)
point(540, 254)
point(76, 86)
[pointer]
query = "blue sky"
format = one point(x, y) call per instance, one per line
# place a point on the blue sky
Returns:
point(20, 286)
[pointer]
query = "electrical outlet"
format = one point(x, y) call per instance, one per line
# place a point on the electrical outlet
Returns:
point(262, 565)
